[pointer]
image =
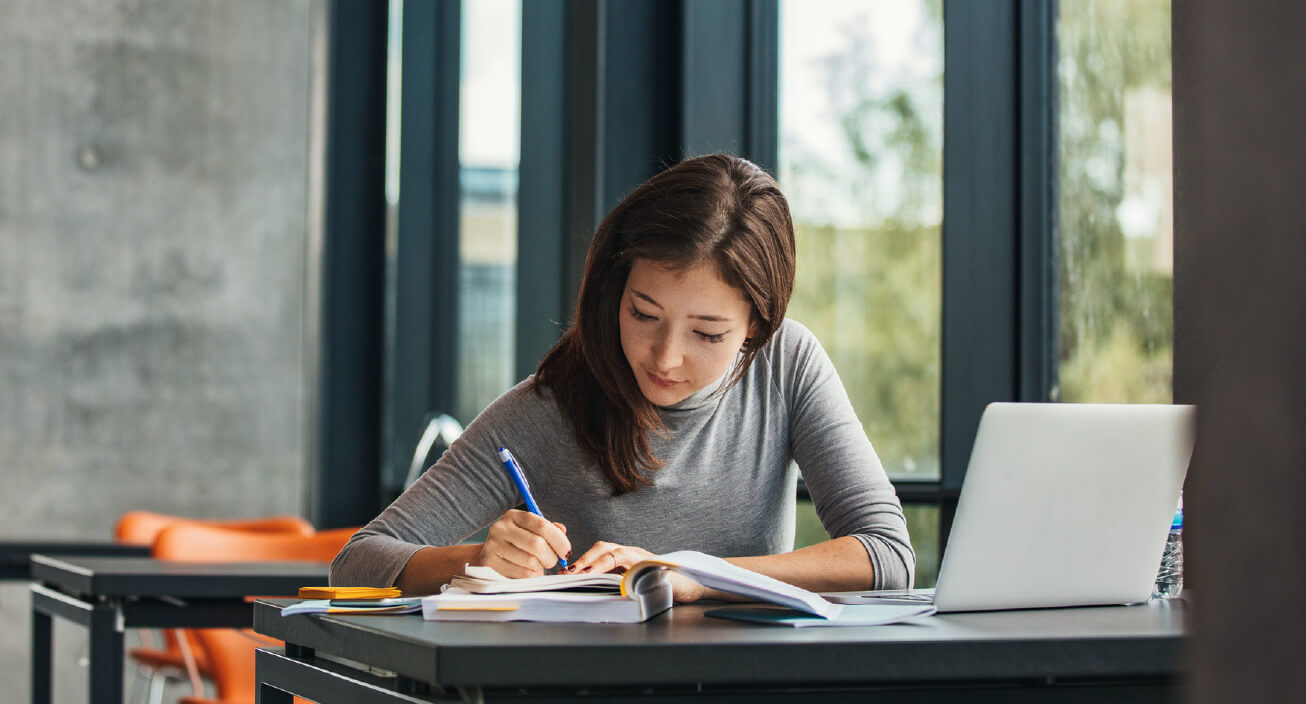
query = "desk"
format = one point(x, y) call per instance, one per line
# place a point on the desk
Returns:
point(1086, 654)
point(16, 554)
point(111, 594)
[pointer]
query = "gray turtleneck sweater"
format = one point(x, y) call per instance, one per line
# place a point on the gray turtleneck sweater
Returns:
point(726, 489)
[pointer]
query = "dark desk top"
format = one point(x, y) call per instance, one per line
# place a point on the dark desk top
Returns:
point(16, 554)
point(683, 646)
point(146, 577)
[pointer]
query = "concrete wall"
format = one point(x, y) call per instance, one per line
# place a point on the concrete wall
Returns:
point(153, 219)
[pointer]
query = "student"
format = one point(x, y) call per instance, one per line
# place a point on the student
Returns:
point(666, 418)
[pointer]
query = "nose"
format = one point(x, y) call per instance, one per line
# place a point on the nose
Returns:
point(667, 352)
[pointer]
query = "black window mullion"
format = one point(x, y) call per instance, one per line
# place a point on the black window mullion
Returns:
point(999, 251)
point(542, 250)
point(762, 143)
point(347, 437)
point(729, 75)
point(715, 67)
point(981, 226)
point(424, 352)
point(1038, 187)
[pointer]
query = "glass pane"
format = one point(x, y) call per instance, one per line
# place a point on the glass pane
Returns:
point(922, 525)
point(861, 135)
point(1115, 220)
point(488, 153)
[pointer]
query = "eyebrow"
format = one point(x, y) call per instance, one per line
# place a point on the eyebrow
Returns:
point(709, 318)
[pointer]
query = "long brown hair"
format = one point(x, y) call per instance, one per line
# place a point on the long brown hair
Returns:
point(717, 209)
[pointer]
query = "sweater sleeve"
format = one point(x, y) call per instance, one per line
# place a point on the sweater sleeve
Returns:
point(461, 493)
point(848, 485)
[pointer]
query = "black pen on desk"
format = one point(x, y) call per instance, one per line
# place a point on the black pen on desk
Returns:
point(519, 478)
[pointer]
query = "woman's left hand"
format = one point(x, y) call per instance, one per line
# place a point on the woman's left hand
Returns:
point(611, 557)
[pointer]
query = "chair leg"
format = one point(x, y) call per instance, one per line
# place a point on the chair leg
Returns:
point(192, 672)
point(143, 675)
point(157, 682)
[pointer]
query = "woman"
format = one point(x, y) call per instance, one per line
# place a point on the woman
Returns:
point(666, 418)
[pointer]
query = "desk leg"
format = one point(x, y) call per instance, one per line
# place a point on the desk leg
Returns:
point(106, 654)
point(42, 652)
point(267, 694)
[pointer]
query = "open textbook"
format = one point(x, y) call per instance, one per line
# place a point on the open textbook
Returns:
point(638, 595)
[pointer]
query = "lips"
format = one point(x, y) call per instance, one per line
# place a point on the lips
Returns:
point(661, 381)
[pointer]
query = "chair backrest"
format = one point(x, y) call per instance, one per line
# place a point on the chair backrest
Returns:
point(142, 527)
point(231, 652)
point(191, 542)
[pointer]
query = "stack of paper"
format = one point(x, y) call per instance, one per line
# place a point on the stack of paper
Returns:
point(487, 596)
point(643, 592)
point(484, 580)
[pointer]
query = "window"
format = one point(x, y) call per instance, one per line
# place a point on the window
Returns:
point(861, 136)
point(451, 183)
point(1115, 218)
point(488, 154)
point(861, 133)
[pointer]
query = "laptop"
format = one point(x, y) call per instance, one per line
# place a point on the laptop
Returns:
point(1062, 505)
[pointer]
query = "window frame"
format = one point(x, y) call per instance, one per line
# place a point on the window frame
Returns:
point(578, 61)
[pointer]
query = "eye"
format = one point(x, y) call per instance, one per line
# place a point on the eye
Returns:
point(634, 313)
point(711, 338)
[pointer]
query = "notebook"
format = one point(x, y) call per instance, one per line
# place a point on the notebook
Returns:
point(858, 615)
point(642, 593)
point(394, 605)
point(1063, 505)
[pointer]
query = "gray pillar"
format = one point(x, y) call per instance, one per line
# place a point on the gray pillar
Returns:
point(1240, 338)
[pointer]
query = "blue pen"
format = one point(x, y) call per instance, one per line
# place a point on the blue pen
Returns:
point(518, 478)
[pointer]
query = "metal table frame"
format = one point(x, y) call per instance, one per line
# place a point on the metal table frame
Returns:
point(16, 554)
point(109, 595)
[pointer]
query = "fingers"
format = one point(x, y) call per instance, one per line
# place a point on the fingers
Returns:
point(513, 563)
point(585, 563)
point(521, 544)
point(609, 557)
point(542, 538)
point(594, 561)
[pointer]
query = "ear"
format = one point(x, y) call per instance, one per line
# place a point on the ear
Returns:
point(752, 334)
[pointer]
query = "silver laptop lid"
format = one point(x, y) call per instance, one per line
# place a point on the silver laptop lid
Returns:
point(1065, 505)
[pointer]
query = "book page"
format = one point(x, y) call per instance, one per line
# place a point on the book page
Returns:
point(716, 573)
point(485, 580)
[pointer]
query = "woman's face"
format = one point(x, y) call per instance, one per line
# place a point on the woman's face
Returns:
point(680, 329)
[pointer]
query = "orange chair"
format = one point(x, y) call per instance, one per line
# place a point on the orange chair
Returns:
point(142, 527)
point(177, 658)
point(231, 652)
point(192, 542)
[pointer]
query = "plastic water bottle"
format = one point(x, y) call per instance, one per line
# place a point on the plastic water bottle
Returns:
point(1170, 578)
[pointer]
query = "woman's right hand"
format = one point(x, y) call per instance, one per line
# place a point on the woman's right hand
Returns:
point(522, 544)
